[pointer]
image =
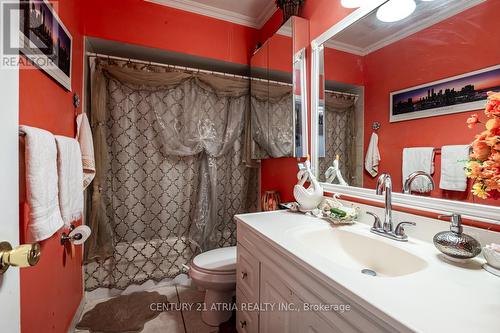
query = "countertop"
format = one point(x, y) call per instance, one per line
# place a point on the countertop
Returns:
point(443, 297)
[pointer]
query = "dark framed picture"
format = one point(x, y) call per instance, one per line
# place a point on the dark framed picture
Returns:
point(45, 40)
point(466, 92)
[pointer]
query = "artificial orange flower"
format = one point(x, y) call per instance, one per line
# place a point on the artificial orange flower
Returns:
point(493, 125)
point(495, 157)
point(491, 140)
point(473, 169)
point(473, 120)
point(493, 183)
point(493, 105)
point(490, 169)
point(484, 166)
point(480, 150)
point(480, 191)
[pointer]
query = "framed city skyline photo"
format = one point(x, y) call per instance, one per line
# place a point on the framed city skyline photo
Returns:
point(466, 92)
point(45, 40)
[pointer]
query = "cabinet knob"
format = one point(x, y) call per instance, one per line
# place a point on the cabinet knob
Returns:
point(243, 275)
point(243, 323)
point(22, 256)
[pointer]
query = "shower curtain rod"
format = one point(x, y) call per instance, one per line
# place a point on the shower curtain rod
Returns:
point(341, 93)
point(98, 55)
point(191, 69)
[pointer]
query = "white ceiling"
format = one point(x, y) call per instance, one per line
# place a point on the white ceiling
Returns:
point(251, 13)
point(369, 34)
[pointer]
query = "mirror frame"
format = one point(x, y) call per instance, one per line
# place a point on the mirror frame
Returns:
point(300, 59)
point(476, 212)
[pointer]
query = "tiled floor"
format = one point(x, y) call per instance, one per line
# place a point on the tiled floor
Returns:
point(177, 321)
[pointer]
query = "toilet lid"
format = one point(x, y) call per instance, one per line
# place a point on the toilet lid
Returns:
point(223, 259)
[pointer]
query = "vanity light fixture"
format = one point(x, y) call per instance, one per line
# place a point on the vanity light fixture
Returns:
point(396, 10)
point(351, 3)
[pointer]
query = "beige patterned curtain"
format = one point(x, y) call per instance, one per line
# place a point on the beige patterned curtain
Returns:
point(169, 146)
point(259, 128)
point(272, 120)
point(340, 132)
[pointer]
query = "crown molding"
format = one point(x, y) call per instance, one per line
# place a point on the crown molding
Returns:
point(452, 10)
point(345, 47)
point(266, 14)
point(221, 14)
point(285, 31)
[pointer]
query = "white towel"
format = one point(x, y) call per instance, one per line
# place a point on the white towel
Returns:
point(453, 159)
point(84, 137)
point(70, 172)
point(372, 158)
point(418, 159)
point(41, 183)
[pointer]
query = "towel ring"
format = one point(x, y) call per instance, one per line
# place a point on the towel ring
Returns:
point(375, 126)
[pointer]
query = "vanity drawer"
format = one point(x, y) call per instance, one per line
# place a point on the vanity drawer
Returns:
point(246, 321)
point(247, 274)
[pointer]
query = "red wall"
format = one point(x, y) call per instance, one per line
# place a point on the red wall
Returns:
point(452, 47)
point(280, 54)
point(344, 67)
point(52, 290)
point(148, 24)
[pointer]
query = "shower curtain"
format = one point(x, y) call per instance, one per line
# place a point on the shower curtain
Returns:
point(170, 178)
point(271, 120)
point(340, 132)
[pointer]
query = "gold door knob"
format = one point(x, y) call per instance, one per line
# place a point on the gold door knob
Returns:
point(22, 256)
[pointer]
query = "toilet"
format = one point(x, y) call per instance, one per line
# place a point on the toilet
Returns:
point(215, 271)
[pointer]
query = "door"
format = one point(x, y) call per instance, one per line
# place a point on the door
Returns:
point(9, 188)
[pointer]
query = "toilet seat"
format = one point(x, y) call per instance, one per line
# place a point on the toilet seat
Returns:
point(217, 261)
point(222, 280)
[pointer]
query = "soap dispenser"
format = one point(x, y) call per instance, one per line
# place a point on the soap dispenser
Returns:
point(454, 243)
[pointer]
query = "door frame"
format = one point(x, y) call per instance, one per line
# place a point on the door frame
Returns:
point(10, 316)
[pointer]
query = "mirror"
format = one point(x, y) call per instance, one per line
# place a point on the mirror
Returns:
point(278, 93)
point(395, 97)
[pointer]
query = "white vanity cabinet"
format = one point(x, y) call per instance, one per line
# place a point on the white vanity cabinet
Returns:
point(286, 315)
point(273, 306)
point(276, 293)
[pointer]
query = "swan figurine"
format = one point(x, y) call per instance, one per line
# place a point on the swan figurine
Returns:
point(307, 198)
point(334, 172)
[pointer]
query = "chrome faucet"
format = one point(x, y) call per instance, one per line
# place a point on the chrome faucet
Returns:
point(384, 186)
point(409, 180)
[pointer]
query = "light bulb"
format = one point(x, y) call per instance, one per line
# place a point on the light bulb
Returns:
point(396, 10)
point(351, 3)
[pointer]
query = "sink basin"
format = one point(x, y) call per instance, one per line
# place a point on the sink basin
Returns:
point(360, 250)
